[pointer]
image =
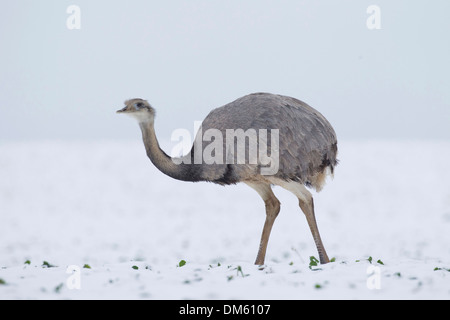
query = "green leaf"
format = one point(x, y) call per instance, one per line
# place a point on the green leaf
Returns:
point(86, 266)
point(27, 262)
point(313, 261)
point(370, 259)
point(380, 262)
point(181, 263)
point(47, 265)
point(2, 281)
point(437, 268)
point(135, 267)
point(239, 270)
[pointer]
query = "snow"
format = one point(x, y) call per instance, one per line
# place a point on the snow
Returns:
point(103, 204)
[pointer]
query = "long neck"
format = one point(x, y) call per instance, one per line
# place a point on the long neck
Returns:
point(160, 159)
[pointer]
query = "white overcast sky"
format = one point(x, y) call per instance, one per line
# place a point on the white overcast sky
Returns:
point(187, 57)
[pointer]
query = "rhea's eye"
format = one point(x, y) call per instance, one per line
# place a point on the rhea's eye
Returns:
point(138, 105)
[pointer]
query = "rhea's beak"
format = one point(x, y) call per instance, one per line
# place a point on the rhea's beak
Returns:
point(122, 110)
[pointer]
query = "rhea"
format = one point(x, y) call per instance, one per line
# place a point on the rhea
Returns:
point(305, 153)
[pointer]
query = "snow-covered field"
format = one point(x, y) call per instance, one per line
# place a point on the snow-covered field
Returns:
point(104, 205)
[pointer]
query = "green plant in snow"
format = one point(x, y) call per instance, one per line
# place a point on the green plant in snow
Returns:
point(45, 264)
point(59, 287)
point(445, 269)
point(370, 259)
point(239, 271)
point(320, 286)
point(313, 262)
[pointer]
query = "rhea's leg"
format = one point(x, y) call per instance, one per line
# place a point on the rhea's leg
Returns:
point(307, 205)
point(272, 210)
point(308, 209)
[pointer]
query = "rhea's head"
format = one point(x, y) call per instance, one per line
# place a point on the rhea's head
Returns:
point(139, 109)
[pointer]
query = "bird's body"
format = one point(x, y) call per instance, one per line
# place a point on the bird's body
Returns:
point(307, 142)
point(305, 146)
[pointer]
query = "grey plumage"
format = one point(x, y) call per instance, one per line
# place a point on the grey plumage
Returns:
point(307, 141)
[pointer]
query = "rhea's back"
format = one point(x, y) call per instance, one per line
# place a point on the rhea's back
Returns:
point(307, 141)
